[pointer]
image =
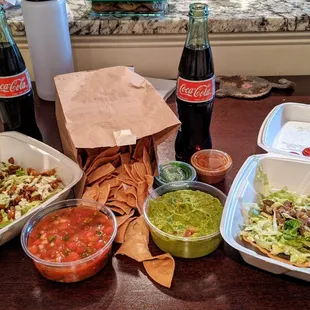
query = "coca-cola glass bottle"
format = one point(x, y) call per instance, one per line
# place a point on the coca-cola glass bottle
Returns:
point(16, 96)
point(195, 87)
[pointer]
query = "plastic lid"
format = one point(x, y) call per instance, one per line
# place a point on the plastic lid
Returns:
point(175, 171)
point(212, 162)
point(286, 129)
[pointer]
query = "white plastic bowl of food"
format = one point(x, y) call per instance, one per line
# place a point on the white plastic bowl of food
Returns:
point(283, 168)
point(30, 153)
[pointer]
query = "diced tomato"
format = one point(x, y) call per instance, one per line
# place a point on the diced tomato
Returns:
point(100, 244)
point(80, 249)
point(108, 230)
point(34, 250)
point(72, 246)
point(51, 253)
point(37, 242)
point(58, 242)
point(72, 257)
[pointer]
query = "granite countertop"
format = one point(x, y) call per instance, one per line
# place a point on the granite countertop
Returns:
point(226, 16)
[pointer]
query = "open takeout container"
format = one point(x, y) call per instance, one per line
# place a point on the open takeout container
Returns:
point(286, 129)
point(30, 153)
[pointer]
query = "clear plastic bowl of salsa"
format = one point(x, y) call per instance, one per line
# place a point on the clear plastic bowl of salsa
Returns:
point(184, 246)
point(70, 240)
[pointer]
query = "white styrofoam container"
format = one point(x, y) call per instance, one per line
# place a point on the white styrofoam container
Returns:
point(282, 168)
point(30, 153)
point(286, 129)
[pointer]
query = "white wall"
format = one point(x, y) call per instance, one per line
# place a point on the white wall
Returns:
point(263, 54)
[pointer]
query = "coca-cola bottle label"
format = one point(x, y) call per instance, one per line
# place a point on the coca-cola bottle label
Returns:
point(15, 85)
point(195, 91)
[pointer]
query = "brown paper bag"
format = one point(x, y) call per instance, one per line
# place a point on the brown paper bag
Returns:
point(109, 107)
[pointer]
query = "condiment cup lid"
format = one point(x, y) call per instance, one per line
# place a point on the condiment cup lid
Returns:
point(211, 162)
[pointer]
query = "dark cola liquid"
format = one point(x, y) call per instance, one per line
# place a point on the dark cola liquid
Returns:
point(194, 133)
point(16, 113)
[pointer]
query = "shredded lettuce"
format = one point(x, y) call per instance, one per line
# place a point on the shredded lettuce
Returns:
point(289, 236)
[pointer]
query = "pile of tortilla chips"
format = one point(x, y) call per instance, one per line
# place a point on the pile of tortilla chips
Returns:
point(120, 178)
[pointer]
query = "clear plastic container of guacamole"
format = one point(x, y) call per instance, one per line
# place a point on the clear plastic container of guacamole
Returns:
point(194, 240)
point(175, 171)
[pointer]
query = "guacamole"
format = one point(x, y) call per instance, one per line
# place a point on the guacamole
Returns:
point(186, 213)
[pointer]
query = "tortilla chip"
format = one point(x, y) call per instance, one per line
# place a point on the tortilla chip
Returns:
point(120, 169)
point(121, 219)
point(93, 152)
point(100, 173)
point(119, 204)
point(136, 248)
point(101, 180)
point(131, 149)
point(116, 162)
point(89, 161)
point(104, 191)
point(125, 178)
point(124, 149)
point(161, 269)
point(120, 236)
point(125, 158)
point(142, 143)
point(117, 210)
point(114, 190)
point(280, 259)
point(128, 170)
point(140, 170)
point(130, 199)
point(138, 226)
point(131, 195)
point(135, 174)
point(111, 151)
point(99, 161)
point(147, 162)
point(120, 195)
point(142, 193)
point(91, 193)
point(113, 182)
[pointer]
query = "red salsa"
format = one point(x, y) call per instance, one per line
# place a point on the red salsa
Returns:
point(70, 234)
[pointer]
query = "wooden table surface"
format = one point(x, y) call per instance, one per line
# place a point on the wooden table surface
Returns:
point(221, 280)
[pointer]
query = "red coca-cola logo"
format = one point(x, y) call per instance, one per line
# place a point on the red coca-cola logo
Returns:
point(195, 91)
point(15, 86)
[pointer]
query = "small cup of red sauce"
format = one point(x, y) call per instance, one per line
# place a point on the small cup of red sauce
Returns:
point(211, 165)
point(70, 240)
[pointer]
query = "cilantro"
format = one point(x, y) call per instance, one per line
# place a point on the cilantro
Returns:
point(291, 229)
point(51, 238)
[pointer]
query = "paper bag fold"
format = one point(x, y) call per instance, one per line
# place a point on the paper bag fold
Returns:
point(99, 103)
